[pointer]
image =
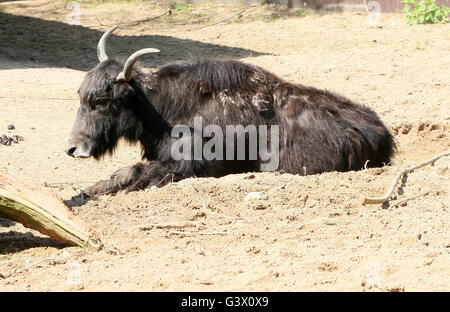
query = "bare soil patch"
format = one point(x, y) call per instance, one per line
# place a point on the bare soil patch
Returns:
point(297, 233)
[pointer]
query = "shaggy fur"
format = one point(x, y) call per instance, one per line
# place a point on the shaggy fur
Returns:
point(319, 131)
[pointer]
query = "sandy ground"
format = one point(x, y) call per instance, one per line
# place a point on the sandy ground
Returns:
point(301, 233)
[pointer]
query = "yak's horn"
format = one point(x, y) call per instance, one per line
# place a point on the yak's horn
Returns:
point(101, 47)
point(128, 67)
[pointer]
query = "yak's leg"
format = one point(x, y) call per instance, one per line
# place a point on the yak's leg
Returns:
point(134, 178)
point(155, 173)
point(119, 180)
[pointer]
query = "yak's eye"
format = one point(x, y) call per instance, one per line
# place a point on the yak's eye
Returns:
point(101, 101)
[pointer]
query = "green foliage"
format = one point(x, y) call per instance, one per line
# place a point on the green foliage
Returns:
point(179, 7)
point(300, 12)
point(425, 12)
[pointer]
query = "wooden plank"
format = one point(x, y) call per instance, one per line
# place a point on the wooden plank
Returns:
point(37, 209)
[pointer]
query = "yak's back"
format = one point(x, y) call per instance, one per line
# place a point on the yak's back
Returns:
point(209, 75)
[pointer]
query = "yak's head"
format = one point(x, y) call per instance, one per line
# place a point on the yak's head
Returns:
point(108, 104)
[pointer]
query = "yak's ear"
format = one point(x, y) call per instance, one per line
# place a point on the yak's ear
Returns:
point(122, 89)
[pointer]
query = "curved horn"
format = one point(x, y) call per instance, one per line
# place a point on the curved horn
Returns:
point(128, 67)
point(101, 47)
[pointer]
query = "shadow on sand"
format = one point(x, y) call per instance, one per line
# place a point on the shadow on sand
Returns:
point(33, 42)
point(13, 241)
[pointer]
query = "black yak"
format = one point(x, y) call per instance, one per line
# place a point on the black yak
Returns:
point(314, 130)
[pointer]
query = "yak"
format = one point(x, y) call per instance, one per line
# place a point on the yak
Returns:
point(316, 130)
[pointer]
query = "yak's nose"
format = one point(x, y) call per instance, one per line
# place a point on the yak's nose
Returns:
point(71, 150)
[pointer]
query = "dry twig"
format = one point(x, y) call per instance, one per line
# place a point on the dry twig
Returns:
point(198, 233)
point(385, 198)
point(365, 7)
point(53, 184)
point(408, 199)
point(219, 21)
point(167, 226)
point(134, 23)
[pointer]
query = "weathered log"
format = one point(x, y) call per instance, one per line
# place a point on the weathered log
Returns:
point(37, 209)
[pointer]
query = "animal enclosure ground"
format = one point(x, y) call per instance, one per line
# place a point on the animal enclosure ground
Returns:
point(297, 233)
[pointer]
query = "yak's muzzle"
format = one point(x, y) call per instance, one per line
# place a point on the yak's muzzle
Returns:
point(74, 151)
point(79, 148)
